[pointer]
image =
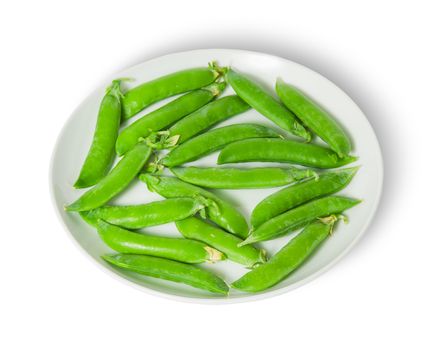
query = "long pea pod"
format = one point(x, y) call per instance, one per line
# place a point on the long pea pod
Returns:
point(213, 140)
point(102, 149)
point(227, 243)
point(169, 270)
point(281, 151)
point(223, 213)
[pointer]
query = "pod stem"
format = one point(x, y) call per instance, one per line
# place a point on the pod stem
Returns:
point(214, 255)
point(161, 140)
point(219, 71)
point(115, 88)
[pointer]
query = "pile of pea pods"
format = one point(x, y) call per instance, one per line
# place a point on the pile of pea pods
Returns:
point(211, 228)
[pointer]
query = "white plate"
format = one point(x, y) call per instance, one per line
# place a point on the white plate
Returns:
point(74, 140)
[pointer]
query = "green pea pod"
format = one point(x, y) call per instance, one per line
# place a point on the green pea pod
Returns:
point(282, 151)
point(156, 90)
point(169, 270)
point(315, 118)
point(223, 213)
point(115, 181)
point(234, 178)
point(150, 214)
point(292, 196)
point(207, 116)
point(264, 103)
point(166, 115)
point(213, 140)
point(194, 228)
point(101, 152)
point(180, 249)
point(289, 258)
point(299, 217)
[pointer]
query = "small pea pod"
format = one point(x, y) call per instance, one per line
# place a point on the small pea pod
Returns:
point(282, 151)
point(299, 217)
point(235, 178)
point(315, 118)
point(292, 196)
point(289, 258)
point(166, 115)
point(180, 249)
point(213, 140)
point(264, 103)
point(156, 90)
point(194, 228)
point(101, 152)
point(115, 181)
point(150, 214)
point(223, 213)
point(209, 115)
point(169, 270)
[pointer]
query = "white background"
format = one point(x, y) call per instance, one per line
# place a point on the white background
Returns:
point(55, 53)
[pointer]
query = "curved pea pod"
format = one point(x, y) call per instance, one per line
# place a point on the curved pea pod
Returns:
point(102, 150)
point(209, 115)
point(166, 115)
point(144, 95)
point(223, 213)
point(214, 140)
point(115, 181)
point(169, 270)
point(288, 259)
point(315, 118)
point(150, 214)
point(237, 178)
point(264, 103)
point(194, 228)
point(299, 193)
point(281, 151)
point(299, 217)
point(180, 249)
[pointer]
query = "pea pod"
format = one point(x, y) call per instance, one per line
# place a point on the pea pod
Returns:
point(315, 118)
point(299, 217)
point(235, 178)
point(292, 196)
point(194, 228)
point(150, 214)
point(115, 181)
point(289, 258)
point(207, 116)
point(264, 103)
point(180, 249)
point(102, 150)
point(223, 213)
point(282, 151)
point(156, 90)
point(166, 115)
point(169, 270)
point(213, 140)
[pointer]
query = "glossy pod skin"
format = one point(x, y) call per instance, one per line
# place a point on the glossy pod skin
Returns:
point(166, 115)
point(315, 118)
point(180, 249)
point(213, 140)
point(115, 181)
point(282, 151)
point(264, 103)
point(237, 178)
point(227, 243)
point(299, 217)
point(291, 256)
point(223, 213)
point(169, 270)
point(152, 91)
point(150, 214)
point(209, 115)
point(101, 152)
point(294, 195)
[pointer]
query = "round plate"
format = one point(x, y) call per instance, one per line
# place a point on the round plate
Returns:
point(75, 138)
